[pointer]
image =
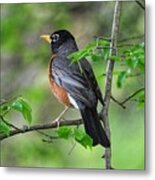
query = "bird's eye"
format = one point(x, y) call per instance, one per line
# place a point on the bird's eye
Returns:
point(55, 37)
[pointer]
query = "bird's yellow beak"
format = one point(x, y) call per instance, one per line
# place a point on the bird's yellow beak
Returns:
point(46, 38)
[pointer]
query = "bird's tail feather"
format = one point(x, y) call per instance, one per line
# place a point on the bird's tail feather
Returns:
point(94, 127)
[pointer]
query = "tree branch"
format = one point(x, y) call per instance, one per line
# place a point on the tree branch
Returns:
point(38, 127)
point(41, 127)
point(53, 125)
point(108, 79)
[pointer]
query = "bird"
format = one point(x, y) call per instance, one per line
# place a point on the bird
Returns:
point(74, 84)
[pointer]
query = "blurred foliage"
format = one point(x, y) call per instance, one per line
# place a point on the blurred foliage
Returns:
point(18, 104)
point(92, 50)
point(24, 61)
point(81, 137)
point(134, 60)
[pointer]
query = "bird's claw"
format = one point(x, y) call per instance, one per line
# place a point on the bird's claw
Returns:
point(57, 121)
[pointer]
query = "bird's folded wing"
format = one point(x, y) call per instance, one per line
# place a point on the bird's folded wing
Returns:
point(92, 80)
point(73, 80)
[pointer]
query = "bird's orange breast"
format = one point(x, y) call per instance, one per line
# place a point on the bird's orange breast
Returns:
point(58, 91)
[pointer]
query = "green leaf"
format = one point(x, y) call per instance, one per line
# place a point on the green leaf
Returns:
point(64, 132)
point(121, 78)
point(141, 99)
point(4, 128)
point(17, 105)
point(22, 106)
point(4, 109)
point(132, 62)
point(82, 138)
point(95, 57)
point(106, 55)
point(76, 133)
point(90, 50)
point(80, 54)
point(114, 58)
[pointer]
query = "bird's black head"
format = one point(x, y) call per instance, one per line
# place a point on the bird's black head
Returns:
point(58, 39)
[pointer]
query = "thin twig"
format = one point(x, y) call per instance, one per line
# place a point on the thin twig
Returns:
point(140, 4)
point(101, 37)
point(132, 95)
point(47, 141)
point(72, 148)
point(118, 46)
point(103, 47)
point(8, 124)
point(5, 101)
point(124, 45)
point(117, 102)
point(127, 99)
point(131, 38)
point(121, 40)
point(134, 75)
point(47, 135)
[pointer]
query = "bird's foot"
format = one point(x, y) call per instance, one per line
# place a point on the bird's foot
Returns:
point(57, 121)
point(59, 118)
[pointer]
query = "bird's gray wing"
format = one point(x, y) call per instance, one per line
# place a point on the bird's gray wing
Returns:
point(74, 81)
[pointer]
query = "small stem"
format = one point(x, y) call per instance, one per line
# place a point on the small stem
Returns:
point(72, 148)
point(127, 99)
point(132, 95)
point(47, 135)
point(117, 102)
point(131, 38)
point(5, 101)
point(104, 38)
point(9, 124)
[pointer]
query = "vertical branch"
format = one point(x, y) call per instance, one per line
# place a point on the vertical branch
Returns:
point(109, 75)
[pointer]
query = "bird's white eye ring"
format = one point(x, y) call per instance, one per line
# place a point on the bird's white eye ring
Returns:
point(55, 37)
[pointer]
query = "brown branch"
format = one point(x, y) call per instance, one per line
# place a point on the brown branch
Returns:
point(108, 79)
point(38, 127)
point(41, 127)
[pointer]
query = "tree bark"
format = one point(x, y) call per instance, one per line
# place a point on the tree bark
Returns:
point(108, 78)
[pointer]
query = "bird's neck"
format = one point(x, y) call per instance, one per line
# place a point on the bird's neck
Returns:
point(66, 49)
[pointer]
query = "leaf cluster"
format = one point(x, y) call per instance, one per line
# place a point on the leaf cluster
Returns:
point(96, 50)
point(18, 104)
point(77, 134)
point(133, 59)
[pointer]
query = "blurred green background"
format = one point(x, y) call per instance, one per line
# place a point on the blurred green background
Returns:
point(24, 64)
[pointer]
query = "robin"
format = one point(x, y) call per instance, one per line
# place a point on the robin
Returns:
point(74, 84)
